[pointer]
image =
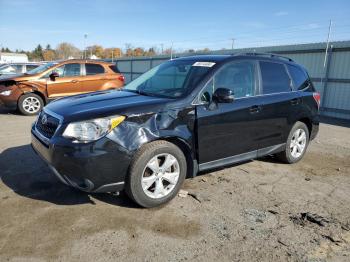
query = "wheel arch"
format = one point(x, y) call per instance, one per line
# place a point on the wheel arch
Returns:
point(307, 122)
point(37, 93)
point(186, 149)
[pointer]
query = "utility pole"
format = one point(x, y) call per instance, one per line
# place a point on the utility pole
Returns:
point(162, 45)
point(328, 37)
point(85, 37)
point(171, 51)
point(233, 41)
point(112, 55)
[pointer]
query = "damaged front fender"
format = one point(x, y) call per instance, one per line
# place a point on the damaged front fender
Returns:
point(139, 129)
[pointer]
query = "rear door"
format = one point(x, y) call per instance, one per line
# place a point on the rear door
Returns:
point(279, 105)
point(94, 78)
point(228, 129)
point(68, 83)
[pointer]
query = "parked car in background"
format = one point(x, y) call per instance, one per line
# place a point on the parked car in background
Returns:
point(17, 68)
point(31, 91)
point(186, 115)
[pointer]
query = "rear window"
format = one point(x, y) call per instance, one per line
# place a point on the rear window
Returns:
point(94, 69)
point(114, 68)
point(300, 78)
point(274, 78)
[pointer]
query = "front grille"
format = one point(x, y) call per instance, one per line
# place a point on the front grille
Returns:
point(47, 124)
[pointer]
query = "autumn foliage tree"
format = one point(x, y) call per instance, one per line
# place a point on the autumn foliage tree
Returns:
point(67, 50)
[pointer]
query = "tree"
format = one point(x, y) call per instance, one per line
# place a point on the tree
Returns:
point(67, 50)
point(151, 52)
point(49, 55)
point(48, 47)
point(117, 52)
point(138, 51)
point(37, 53)
point(96, 50)
point(128, 50)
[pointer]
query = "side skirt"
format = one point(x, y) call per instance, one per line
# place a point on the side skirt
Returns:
point(241, 157)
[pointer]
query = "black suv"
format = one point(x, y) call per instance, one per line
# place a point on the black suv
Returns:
point(181, 117)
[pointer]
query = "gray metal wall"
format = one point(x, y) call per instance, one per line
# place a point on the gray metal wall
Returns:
point(332, 81)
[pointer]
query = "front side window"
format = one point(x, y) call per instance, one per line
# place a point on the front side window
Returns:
point(71, 70)
point(238, 77)
point(275, 78)
point(300, 78)
point(94, 69)
point(172, 79)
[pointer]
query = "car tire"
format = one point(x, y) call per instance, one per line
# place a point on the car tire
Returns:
point(30, 104)
point(297, 143)
point(156, 174)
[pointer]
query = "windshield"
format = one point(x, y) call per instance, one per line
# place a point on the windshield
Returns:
point(172, 79)
point(40, 69)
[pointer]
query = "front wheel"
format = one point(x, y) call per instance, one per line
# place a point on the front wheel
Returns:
point(296, 145)
point(156, 174)
point(30, 104)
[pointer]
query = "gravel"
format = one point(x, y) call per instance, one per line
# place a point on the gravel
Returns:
point(262, 210)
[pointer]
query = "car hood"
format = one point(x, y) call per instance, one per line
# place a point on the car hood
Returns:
point(104, 103)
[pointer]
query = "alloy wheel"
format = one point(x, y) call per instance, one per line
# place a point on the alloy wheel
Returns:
point(298, 143)
point(160, 175)
point(31, 104)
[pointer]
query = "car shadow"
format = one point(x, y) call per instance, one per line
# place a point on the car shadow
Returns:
point(27, 175)
point(6, 111)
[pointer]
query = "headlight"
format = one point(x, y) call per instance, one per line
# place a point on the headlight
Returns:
point(6, 93)
point(91, 130)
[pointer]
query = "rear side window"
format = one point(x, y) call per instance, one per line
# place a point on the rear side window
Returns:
point(114, 68)
point(94, 69)
point(300, 78)
point(274, 78)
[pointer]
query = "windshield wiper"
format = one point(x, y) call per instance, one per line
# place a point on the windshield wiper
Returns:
point(143, 93)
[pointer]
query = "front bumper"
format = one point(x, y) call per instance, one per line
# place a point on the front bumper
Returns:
point(97, 167)
point(11, 100)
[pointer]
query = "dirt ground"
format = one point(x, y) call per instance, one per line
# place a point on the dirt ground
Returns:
point(257, 211)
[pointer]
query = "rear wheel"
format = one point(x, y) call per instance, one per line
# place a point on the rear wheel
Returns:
point(30, 104)
point(156, 174)
point(297, 142)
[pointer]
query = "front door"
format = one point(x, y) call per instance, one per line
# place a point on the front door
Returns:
point(228, 130)
point(68, 83)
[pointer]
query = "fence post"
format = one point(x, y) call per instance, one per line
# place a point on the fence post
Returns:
point(325, 78)
point(131, 70)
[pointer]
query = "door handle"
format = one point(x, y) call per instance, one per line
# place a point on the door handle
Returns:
point(74, 81)
point(295, 101)
point(255, 109)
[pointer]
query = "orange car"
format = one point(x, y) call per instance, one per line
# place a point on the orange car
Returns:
point(31, 91)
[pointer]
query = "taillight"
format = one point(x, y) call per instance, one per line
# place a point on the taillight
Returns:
point(317, 98)
point(121, 78)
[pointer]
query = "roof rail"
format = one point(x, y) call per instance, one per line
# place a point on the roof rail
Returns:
point(266, 55)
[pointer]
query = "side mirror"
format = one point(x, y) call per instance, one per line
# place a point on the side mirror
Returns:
point(223, 95)
point(53, 76)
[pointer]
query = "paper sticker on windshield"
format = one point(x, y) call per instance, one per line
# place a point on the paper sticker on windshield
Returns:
point(205, 64)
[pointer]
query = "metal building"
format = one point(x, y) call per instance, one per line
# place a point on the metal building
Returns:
point(13, 58)
point(330, 72)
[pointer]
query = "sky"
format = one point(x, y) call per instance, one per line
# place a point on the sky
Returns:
point(185, 24)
